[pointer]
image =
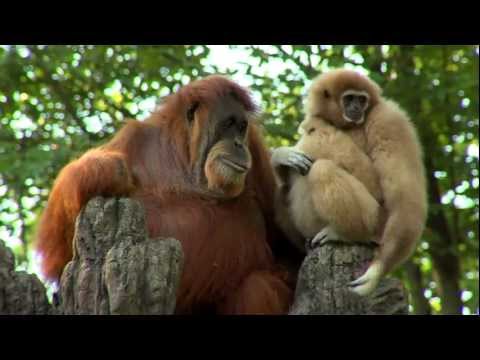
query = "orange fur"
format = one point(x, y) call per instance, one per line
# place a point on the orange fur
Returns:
point(229, 263)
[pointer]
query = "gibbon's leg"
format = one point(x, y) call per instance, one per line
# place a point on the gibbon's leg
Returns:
point(261, 293)
point(343, 202)
point(390, 252)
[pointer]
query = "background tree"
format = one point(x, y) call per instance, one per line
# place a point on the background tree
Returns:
point(58, 101)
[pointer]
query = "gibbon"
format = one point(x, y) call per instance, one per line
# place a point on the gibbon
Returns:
point(366, 180)
point(350, 167)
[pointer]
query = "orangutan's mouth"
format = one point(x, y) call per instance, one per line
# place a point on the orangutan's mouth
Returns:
point(236, 165)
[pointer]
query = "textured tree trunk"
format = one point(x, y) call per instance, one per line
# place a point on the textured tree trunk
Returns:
point(446, 262)
point(420, 303)
point(447, 267)
point(20, 293)
point(322, 287)
point(116, 269)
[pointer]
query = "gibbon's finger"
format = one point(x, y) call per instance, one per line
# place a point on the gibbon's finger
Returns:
point(286, 156)
point(280, 156)
point(306, 164)
point(366, 289)
point(298, 165)
point(304, 170)
point(302, 157)
point(359, 281)
point(302, 160)
point(316, 242)
point(307, 159)
point(365, 277)
point(327, 234)
point(366, 283)
point(308, 244)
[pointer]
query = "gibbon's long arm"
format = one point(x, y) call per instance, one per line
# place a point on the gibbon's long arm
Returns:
point(397, 157)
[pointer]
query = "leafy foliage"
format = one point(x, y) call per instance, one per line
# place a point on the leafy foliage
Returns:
point(58, 101)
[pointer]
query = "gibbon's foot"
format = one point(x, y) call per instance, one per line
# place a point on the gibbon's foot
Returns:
point(327, 234)
point(368, 282)
point(292, 158)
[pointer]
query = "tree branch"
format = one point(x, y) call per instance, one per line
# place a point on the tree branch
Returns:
point(116, 269)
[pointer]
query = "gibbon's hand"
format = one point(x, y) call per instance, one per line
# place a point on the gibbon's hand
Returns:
point(286, 156)
point(368, 282)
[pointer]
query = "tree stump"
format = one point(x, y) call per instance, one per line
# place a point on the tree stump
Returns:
point(20, 292)
point(323, 278)
point(117, 269)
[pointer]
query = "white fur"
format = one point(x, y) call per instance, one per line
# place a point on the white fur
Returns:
point(356, 92)
point(366, 283)
point(347, 119)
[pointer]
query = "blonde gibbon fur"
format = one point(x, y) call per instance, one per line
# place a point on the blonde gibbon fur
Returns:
point(367, 181)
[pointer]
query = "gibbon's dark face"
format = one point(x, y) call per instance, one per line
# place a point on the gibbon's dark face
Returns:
point(354, 104)
point(343, 98)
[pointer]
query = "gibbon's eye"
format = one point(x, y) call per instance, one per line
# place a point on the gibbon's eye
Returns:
point(326, 94)
point(191, 111)
point(362, 99)
point(348, 98)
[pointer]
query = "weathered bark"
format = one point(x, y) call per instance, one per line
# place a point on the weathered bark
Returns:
point(447, 267)
point(322, 287)
point(116, 269)
point(20, 292)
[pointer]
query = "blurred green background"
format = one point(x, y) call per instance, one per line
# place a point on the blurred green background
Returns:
point(58, 101)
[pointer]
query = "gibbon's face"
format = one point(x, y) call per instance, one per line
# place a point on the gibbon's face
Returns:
point(354, 104)
point(343, 98)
